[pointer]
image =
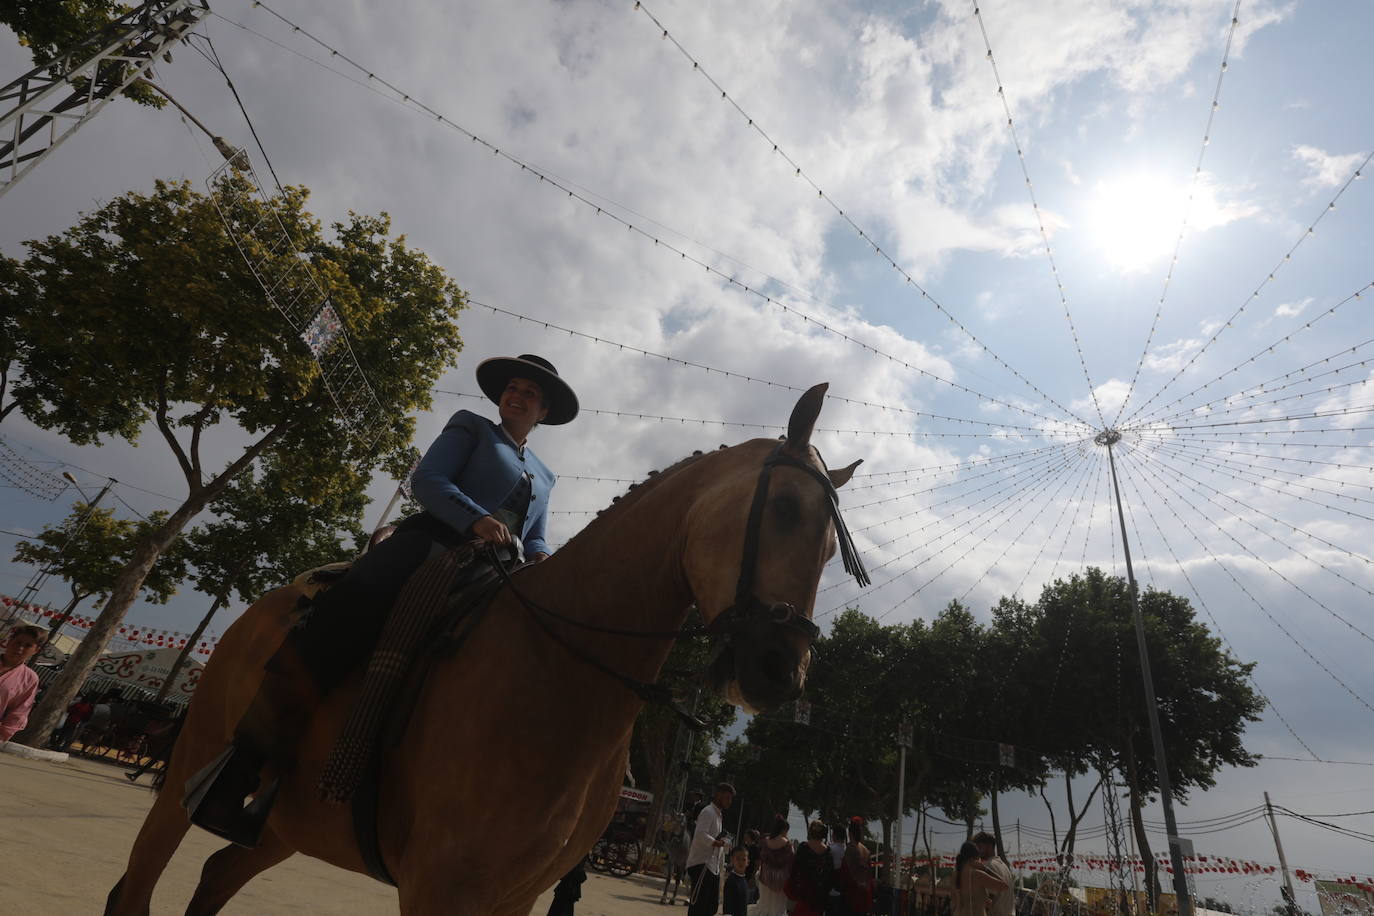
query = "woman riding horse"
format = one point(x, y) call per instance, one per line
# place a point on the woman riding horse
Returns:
point(478, 480)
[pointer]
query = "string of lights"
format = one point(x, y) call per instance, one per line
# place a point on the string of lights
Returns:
point(1039, 216)
point(1015, 539)
point(1244, 477)
point(953, 469)
point(1187, 209)
point(1328, 390)
point(1139, 411)
point(1059, 526)
point(923, 491)
point(1216, 624)
point(1245, 548)
point(1185, 443)
point(799, 172)
point(935, 578)
point(1271, 432)
point(1013, 490)
point(1263, 389)
point(1026, 499)
point(1210, 438)
point(1000, 433)
point(1150, 478)
point(545, 177)
point(972, 461)
point(1290, 418)
point(1199, 454)
point(1050, 461)
point(22, 475)
point(548, 325)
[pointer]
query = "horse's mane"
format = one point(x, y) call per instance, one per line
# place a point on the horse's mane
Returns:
point(637, 490)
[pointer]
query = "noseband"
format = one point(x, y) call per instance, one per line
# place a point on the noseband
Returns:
point(748, 607)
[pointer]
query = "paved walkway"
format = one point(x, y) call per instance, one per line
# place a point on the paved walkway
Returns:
point(66, 829)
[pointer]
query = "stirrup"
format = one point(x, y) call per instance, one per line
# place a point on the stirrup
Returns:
point(219, 809)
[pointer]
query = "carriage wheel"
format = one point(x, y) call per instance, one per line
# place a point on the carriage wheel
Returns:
point(623, 857)
point(598, 859)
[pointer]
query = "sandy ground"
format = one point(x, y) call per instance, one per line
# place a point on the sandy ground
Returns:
point(66, 829)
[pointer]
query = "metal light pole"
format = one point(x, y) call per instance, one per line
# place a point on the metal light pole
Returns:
point(1109, 438)
point(904, 736)
point(1290, 901)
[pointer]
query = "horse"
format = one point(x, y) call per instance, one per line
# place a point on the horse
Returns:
point(530, 722)
point(673, 839)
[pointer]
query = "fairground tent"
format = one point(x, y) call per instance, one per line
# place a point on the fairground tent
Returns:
point(147, 668)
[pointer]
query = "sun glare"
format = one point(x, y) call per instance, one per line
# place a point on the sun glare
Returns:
point(1135, 220)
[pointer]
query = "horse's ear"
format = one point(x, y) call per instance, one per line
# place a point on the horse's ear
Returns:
point(803, 419)
point(841, 477)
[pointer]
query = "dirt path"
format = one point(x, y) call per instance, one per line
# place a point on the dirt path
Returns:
point(66, 829)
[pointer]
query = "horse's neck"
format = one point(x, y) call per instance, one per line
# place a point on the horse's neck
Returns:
point(625, 572)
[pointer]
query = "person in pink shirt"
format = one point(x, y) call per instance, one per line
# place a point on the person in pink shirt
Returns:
point(18, 682)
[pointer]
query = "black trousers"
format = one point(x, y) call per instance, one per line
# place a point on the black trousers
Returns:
point(341, 629)
point(705, 891)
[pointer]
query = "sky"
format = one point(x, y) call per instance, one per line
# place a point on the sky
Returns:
point(1180, 276)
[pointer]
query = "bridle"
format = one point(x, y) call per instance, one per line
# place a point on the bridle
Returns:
point(748, 609)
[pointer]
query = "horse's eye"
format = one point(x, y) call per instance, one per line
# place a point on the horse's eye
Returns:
point(785, 510)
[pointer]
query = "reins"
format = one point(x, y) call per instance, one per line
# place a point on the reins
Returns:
point(746, 609)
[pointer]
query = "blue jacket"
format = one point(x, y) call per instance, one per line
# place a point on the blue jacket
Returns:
point(470, 470)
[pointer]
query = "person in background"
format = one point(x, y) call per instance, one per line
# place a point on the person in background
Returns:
point(1003, 903)
point(775, 866)
point(855, 876)
point(737, 883)
point(77, 714)
point(972, 883)
point(751, 846)
point(18, 682)
point(813, 873)
point(704, 855)
point(834, 905)
point(568, 890)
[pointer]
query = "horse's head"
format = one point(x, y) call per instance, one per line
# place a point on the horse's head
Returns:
point(757, 539)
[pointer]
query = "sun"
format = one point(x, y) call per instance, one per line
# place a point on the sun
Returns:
point(1134, 220)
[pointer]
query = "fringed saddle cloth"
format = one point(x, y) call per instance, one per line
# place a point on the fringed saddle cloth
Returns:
point(442, 594)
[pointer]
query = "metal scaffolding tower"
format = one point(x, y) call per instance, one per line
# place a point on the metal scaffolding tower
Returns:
point(49, 103)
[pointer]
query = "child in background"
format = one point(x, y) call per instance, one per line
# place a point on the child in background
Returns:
point(737, 884)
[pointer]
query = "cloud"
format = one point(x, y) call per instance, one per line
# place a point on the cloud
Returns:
point(1326, 170)
point(1290, 309)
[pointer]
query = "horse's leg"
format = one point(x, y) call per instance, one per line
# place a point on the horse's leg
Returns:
point(227, 871)
point(444, 892)
point(158, 838)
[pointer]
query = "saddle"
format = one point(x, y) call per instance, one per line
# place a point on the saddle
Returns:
point(437, 609)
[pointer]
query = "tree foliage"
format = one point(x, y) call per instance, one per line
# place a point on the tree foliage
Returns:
point(145, 315)
point(90, 548)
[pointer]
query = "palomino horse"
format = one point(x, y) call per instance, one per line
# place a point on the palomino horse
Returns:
point(518, 743)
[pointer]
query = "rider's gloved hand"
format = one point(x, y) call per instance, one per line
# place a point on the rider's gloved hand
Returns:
point(491, 531)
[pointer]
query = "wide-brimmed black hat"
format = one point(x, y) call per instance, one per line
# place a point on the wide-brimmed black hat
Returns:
point(493, 374)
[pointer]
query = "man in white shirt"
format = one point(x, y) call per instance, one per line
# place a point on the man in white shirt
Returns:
point(705, 854)
point(1002, 903)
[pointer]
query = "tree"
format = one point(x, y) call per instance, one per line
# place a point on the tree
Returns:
point(90, 548)
point(262, 539)
point(146, 312)
point(1204, 695)
point(48, 29)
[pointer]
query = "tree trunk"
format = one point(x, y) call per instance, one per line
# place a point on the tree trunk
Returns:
point(61, 621)
point(997, 820)
point(1147, 858)
point(47, 711)
point(190, 647)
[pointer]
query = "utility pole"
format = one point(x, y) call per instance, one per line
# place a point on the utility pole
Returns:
point(53, 100)
point(1290, 902)
point(1109, 438)
point(904, 735)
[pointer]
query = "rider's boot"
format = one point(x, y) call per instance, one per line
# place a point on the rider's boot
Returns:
point(267, 734)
